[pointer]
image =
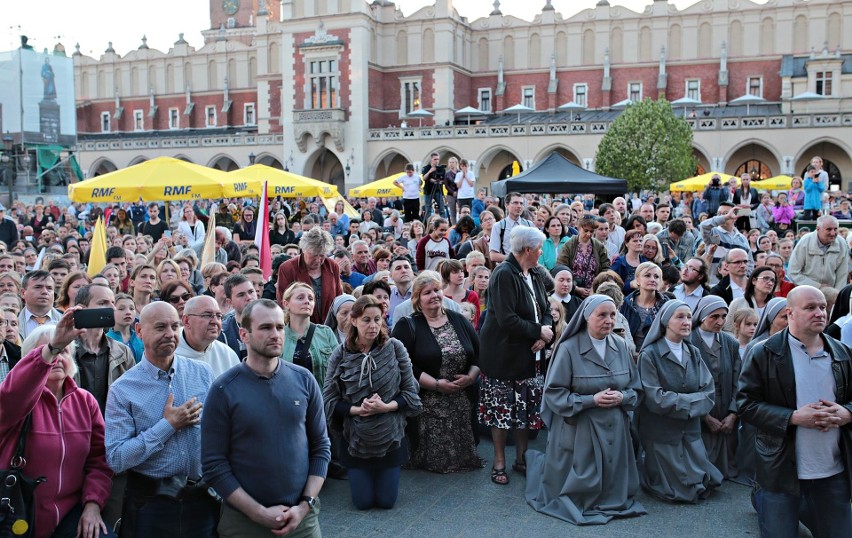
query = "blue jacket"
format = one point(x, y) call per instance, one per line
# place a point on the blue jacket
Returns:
point(813, 194)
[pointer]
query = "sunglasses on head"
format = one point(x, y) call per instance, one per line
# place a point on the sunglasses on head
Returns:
point(175, 299)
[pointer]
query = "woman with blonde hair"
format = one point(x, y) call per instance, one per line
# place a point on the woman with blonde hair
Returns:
point(642, 305)
point(306, 344)
point(444, 351)
point(190, 226)
point(113, 276)
point(167, 271)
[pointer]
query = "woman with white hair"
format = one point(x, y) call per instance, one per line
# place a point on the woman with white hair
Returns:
point(588, 475)
point(513, 336)
point(64, 432)
point(314, 268)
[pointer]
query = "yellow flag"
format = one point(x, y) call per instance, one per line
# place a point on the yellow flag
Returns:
point(97, 254)
point(208, 253)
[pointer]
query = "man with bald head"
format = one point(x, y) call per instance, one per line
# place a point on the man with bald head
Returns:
point(202, 324)
point(732, 286)
point(794, 388)
point(152, 419)
point(821, 258)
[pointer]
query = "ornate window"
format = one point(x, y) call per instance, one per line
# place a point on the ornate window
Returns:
point(323, 79)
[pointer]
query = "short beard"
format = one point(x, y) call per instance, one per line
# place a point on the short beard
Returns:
point(263, 352)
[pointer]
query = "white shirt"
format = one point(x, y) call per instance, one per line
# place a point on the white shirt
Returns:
point(676, 349)
point(410, 186)
point(707, 336)
point(736, 291)
point(599, 345)
point(466, 190)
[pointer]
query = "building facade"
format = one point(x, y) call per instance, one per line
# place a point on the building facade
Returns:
point(348, 91)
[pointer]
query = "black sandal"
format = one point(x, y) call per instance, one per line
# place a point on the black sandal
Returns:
point(499, 476)
point(520, 467)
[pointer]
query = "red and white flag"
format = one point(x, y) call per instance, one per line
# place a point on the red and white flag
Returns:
point(261, 235)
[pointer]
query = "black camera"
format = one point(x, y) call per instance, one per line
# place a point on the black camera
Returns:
point(439, 173)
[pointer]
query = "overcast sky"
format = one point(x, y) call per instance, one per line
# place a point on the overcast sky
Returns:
point(93, 23)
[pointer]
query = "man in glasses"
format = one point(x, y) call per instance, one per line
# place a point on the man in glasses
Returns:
point(202, 323)
point(733, 285)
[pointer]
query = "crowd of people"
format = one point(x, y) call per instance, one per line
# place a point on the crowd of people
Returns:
point(665, 344)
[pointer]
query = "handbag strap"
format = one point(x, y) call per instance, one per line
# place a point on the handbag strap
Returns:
point(18, 460)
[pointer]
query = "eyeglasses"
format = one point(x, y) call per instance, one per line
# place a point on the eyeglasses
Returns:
point(766, 279)
point(175, 299)
point(207, 316)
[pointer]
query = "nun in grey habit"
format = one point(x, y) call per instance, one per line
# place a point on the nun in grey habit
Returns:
point(588, 474)
point(678, 393)
point(773, 320)
point(720, 352)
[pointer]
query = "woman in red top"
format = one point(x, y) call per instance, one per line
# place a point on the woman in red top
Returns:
point(65, 443)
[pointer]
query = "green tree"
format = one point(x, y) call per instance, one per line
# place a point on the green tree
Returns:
point(648, 146)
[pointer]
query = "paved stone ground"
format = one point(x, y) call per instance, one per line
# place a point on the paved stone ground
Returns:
point(468, 504)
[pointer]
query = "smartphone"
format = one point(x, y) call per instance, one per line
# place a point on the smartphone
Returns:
point(167, 233)
point(94, 318)
point(714, 240)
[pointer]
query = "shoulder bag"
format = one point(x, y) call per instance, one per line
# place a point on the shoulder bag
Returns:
point(17, 505)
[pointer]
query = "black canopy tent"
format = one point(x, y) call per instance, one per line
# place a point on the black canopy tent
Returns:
point(557, 175)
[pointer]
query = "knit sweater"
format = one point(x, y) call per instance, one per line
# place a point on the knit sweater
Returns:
point(266, 435)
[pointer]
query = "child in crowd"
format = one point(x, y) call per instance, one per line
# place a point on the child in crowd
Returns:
point(745, 324)
point(125, 318)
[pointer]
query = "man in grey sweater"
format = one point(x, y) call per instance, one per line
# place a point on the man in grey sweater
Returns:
point(264, 445)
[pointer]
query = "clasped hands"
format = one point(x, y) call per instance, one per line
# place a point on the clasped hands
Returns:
point(280, 519)
point(726, 425)
point(374, 405)
point(822, 415)
point(609, 398)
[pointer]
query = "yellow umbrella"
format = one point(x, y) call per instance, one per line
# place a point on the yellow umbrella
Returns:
point(777, 183)
point(699, 183)
point(348, 210)
point(380, 187)
point(279, 183)
point(97, 255)
point(160, 179)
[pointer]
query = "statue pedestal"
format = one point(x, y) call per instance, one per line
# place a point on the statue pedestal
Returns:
point(48, 114)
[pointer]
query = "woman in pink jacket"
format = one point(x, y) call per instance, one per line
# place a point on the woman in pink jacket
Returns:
point(783, 214)
point(65, 443)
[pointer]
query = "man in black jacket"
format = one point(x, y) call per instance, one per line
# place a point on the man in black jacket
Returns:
point(10, 354)
point(8, 229)
point(796, 389)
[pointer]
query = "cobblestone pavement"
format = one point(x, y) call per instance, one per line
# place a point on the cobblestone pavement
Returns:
point(468, 504)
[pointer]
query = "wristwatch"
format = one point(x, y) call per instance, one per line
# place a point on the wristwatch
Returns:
point(53, 350)
point(312, 501)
